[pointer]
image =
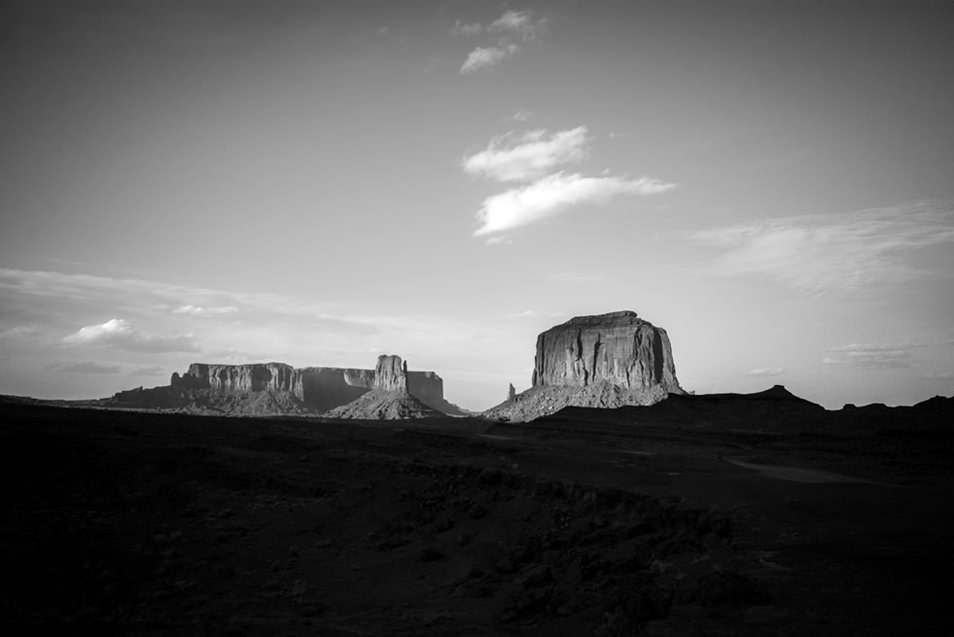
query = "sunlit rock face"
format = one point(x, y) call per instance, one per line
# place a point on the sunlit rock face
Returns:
point(617, 348)
point(390, 374)
point(606, 360)
point(265, 388)
point(239, 378)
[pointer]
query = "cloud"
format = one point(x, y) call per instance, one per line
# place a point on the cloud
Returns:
point(526, 156)
point(765, 371)
point(938, 376)
point(870, 356)
point(198, 310)
point(120, 334)
point(845, 251)
point(523, 116)
point(485, 57)
point(518, 23)
point(88, 367)
point(555, 194)
point(465, 29)
point(148, 371)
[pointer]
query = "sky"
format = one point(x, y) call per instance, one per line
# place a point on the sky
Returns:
point(321, 182)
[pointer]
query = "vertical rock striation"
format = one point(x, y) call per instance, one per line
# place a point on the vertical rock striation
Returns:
point(276, 388)
point(606, 360)
point(390, 374)
point(617, 348)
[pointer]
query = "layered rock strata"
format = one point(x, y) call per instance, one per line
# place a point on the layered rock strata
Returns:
point(618, 348)
point(277, 388)
point(606, 360)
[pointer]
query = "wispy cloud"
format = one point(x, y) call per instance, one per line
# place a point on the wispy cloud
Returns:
point(870, 356)
point(86, 367)
point(846, 251)
point(467, 29)
point(523, 116)
point(520, 23)
point(198, 310)
point(529, 155)
point(555, 194)
point(486, 56)
point(938, 376)
point(121, 334)
point(765, 371)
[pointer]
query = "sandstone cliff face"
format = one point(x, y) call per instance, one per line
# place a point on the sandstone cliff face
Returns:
point(276, 377)
point(390, 374)
point(607, 360)
point(617, 348)
point(277, 388)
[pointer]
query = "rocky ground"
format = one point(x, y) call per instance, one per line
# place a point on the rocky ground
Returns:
point(586, 523)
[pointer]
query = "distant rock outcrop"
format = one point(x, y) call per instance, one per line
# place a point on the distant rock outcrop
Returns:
point(276, 389)
point(617, 348)
point(390, 374)
point(607, 360)
point(379, 404)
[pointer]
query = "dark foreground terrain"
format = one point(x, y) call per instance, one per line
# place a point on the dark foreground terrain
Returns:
point(585, 523)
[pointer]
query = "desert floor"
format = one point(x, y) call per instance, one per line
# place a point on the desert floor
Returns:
point(579, 524)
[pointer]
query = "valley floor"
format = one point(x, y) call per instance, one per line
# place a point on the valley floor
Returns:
point(151, 524)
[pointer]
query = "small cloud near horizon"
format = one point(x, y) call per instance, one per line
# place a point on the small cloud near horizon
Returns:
point(938, 376)
point(121, 334)
point(86, 367)
point(765, 371)
point(869, 356)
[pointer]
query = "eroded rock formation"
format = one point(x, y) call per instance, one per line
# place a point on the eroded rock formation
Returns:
point(607, 360)
point(277, 388)
point(617, 348)
point(390, 374)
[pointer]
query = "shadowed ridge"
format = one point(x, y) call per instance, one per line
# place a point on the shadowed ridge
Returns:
point(774, 406)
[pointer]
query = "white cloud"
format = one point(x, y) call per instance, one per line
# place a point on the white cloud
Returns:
point(554, 194)
point(519, 23)
point(485, 57)
point(526, 156)
point(198, 310)
point(461, 28)
point(870, 356)
point(382, 31)
point(120, 334)
point(523, 116)
point(846, 251)
point(942, 376)
point(765, 371)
